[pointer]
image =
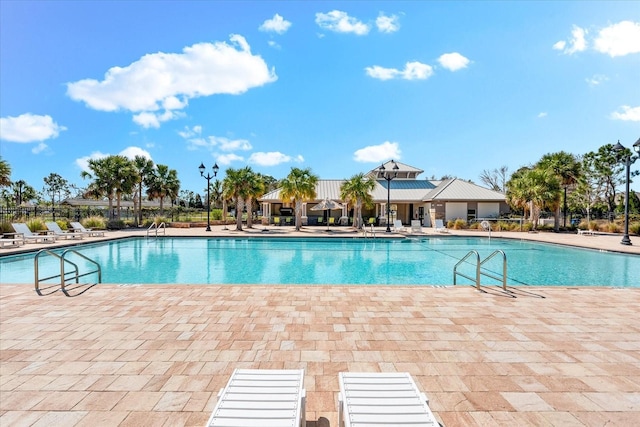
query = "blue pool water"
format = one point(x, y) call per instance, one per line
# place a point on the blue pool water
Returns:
point(428, 261)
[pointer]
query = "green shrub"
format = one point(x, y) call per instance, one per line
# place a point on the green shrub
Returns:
point(459, 224)
point(612, 227)
point(5, 227)
point(527, 226)
point(36, 224)
point(116, 224)
point(634, 228)
point(95, 222)
point(216, 214)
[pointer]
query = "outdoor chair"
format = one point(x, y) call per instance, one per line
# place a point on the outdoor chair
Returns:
point(11, 241)
point(57, 231)
point(397, 226)
point(261, 397)
point(29, 236)
point(382, 399)
point(439, 226)
point(79, 228)
point(416, 226)
point(276, 220)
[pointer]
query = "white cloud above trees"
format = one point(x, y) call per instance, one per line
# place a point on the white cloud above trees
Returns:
point(158, 86)
point(277, 24)
point(28, 127)
point(378, 153)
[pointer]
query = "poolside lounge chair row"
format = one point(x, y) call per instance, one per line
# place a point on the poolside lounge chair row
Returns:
point(24, 235)
point(265, 397)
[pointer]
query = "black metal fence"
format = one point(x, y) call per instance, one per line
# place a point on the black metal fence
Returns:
point(175, 213)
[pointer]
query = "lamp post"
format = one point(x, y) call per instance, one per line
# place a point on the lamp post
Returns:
point(628, 160)
point(208, 178)
point(388, 176)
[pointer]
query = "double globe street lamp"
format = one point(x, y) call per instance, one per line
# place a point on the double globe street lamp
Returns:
point(388, 176)
point(208, 177)
point(627, 159)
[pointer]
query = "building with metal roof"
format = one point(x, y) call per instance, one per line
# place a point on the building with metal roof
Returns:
point(408, 198)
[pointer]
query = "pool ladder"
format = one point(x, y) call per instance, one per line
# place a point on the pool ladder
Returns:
point(478, 268)
point(157, 227)
point(64, 275)
point(371, 232)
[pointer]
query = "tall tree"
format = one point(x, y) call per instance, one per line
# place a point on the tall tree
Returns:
point(22, 192)
point(299, 186)
point(144, 172)
point(533, 189)
point(54, 184)
point(112, 177)
point(495, 179)
point(566, 168)
point(357, 190)
point(163, 183)
point(255, 188)
point(607, 171)
point(235, 188)
point(5, 173)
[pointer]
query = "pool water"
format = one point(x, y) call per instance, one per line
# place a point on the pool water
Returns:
point(419, 261)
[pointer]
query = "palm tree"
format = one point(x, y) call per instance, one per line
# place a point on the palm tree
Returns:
point(566, 168)
point(255, 188)
point(299, 186)
point(111, 175)
point(235, 188)
point(144, 171)
point(163, 183)
point(357, 190)
point(533, 189)
point(5, 173)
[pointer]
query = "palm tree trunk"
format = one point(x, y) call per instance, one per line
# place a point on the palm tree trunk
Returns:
point(238, 215)
point(249, 213)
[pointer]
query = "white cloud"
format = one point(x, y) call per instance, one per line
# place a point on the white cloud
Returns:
point(190, 132)
point(39, 148)
point(272, 158)
point(158, 85)
point(412, 71)
point(129, 153)
point(619, 39)
point(340, 22)
point(29, 128)
point(226, 144)
point(631, 114)
point(453, 61)
point(83, 162)
point(132, 152)
point(596, 79)
point(577, 43)
point(542, 114)
point(378, 153)
point(227, 159)
point(277, 24)
point(387, 24)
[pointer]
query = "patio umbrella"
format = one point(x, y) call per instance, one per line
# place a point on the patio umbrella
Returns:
point(327, 205)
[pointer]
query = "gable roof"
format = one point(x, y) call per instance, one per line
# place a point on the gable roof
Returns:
point(457, 189)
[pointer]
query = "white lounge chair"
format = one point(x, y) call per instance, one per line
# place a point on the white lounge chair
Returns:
point(416, 226)
point(11, 241)
point(79, 228)
point(397, 225)
point(260, 398)
point(382, 399)
point(439, 226)
point(29, 236)
point(57, 231)
point(586, 232)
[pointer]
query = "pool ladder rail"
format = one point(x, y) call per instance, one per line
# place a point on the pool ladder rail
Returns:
point(162, 227)
point(478, 268)
point(371, 232)
point(64, 275)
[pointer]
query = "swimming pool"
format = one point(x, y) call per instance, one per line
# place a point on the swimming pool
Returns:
point(419, 261)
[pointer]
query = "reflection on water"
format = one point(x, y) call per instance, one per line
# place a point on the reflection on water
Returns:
point(336, 261)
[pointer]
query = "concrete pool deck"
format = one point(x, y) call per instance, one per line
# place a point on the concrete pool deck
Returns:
point(157, 355)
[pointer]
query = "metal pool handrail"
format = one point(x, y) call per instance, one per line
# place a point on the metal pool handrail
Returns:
point(478, 268)
point(76, 275)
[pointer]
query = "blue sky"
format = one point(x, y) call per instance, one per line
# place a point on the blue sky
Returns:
point(453, 88)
